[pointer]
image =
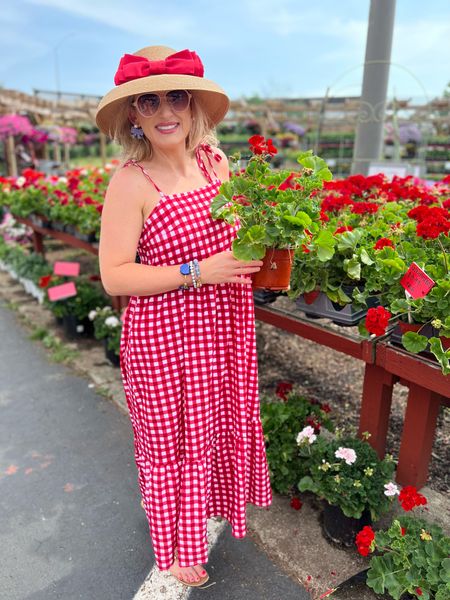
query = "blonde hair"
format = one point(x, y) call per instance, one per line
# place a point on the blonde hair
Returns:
point(201, 132)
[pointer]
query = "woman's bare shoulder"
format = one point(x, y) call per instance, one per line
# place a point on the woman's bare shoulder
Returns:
point(130, 183)
point(223, 168)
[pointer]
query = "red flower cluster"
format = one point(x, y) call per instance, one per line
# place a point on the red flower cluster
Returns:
point(44, 281)
point(283, 388)
point(409, 498)
point(314, 423)
point(431, 221)
point(258, 145)
point(289, 183)
point(365, 540)
point(361, 208)
point(296, 503)
point(333, 203)
point(383, 242)
point(377, 320)
point(430, 229)
point(343, 228)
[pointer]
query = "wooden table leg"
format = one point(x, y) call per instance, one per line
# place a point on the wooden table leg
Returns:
point(418, 434)
point(376, 406)
point(38, 243)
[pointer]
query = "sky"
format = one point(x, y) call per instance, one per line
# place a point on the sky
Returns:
point(269, 48)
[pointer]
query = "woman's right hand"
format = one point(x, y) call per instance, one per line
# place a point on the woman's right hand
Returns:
point(223, 267)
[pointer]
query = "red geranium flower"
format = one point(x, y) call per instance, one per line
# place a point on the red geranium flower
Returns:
point(361, 208)
point(325, 407)
point(383, 242)
point(419, 591)
point(409, 498)
point(289, 183)
point(258, 145)
point(270, 148)
point(403, 531)
point(377, 320)
point(365, 540)
point(343, 228)
point(44, 281)
point(296, 503)
point(431, 228)
point(283, 388)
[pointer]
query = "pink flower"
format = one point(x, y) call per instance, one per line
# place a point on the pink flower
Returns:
point(307, 433)
point(347, 454)
point(391, 489)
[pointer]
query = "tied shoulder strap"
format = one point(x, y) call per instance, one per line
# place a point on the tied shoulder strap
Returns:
point(134, 162)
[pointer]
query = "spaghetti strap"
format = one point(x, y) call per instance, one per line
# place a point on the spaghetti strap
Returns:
point(132, 161)
point(208, 152)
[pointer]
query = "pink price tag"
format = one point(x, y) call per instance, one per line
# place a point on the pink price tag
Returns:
point(416, 282)
point(66, 268)
point(65, 290)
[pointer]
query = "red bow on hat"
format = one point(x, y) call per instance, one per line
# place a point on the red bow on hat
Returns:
point(132, 67)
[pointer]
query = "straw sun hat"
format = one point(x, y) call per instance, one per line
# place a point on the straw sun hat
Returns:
point(160, 68)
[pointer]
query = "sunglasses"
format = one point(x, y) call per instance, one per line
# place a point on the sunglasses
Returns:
point(148, 104)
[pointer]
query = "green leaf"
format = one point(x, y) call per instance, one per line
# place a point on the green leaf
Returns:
point(325, 242)
point(414, 342)
point(243, 251)
point(301, 219)
point(307, 484)
point(442, 355)
point(352, 267)
point(365, 258)
point(217, 204)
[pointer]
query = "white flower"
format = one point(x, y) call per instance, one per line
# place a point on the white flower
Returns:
point(391, 489)
point(112, 321)
point(306, 434)
point(108, 166)
point(62, 180)
point(101, 170)
point(92, 315)
point(84, 172)
point(20, 181)
point(347, 454)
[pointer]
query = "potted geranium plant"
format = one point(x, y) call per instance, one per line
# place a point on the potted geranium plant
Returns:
point(107, 327)
point(348, 474)
point(282, 416)
point(411, 558)
point(274, 209)
point(74, 310)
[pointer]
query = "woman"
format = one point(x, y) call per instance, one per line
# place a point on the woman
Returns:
point(188, 352)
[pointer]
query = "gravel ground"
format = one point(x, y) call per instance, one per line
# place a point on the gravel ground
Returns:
point(336, 378)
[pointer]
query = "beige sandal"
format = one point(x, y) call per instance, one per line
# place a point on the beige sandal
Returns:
point(203, 580)
point(142, 504)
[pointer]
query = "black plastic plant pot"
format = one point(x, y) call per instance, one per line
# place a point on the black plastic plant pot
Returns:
point(59, 226)
point(85, 237)
point(40, 221)
point(341, 529)
point(265, 296)
point(110, 354)
point(74, 328)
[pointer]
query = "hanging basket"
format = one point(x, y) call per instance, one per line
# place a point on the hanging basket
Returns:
point(275, 273)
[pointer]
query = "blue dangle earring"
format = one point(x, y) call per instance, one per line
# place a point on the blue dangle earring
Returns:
point(137, 132)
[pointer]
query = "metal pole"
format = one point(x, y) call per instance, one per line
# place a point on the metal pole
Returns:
point(369, 132)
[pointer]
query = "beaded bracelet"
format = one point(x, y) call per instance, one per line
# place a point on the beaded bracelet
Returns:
point(197, 272)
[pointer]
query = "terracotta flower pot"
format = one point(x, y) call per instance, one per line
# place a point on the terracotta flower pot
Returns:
point(275, 273)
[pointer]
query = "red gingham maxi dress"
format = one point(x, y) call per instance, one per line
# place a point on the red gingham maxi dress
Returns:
point(190, 375)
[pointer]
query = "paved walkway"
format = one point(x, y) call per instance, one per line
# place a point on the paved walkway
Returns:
point(71, 525)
